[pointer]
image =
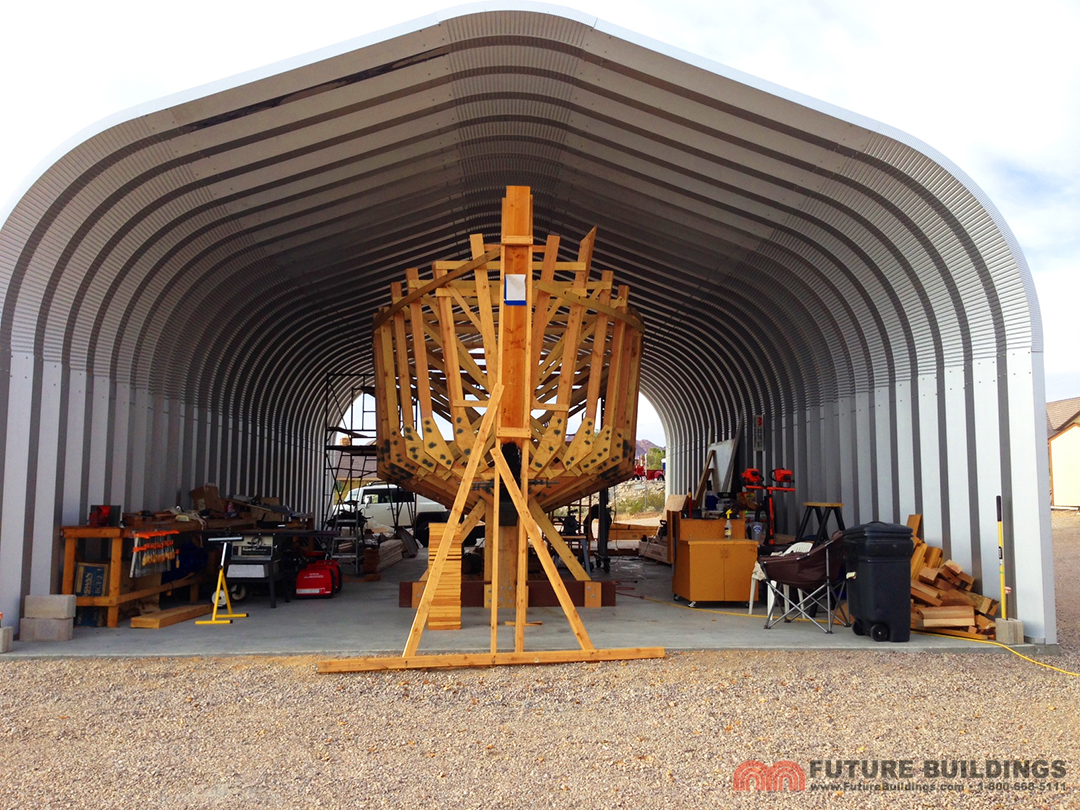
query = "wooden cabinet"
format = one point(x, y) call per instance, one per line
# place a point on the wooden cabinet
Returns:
point(709, 529)
point(713, 570)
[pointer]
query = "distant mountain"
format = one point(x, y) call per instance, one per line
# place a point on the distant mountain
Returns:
point(644, 446)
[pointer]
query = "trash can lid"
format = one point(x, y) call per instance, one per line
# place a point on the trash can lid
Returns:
point(879, 539)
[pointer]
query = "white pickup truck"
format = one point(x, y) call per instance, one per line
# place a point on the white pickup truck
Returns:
point(390, 505)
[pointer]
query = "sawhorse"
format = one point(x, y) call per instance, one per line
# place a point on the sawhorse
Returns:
point(821, 511)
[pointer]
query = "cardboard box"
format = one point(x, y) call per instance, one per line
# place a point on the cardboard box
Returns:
point(91, 579)
point(90, 617)
point(207, 497)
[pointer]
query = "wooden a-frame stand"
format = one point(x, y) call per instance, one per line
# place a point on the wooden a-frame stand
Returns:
point(221, 592)
point(522, 358)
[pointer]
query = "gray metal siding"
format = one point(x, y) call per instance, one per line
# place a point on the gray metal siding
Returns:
point(176, 287)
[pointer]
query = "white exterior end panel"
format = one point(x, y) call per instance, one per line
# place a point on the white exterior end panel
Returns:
point(1028, 538)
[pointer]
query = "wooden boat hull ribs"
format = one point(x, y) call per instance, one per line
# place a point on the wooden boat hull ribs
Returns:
point(483, 368)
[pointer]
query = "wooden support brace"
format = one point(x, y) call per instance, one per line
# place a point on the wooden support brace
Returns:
point(455, 515)
point(600, 452)
point(401, 356)
point(706, 473)
point(533, 531)
point(430, 286)
point(557, 542)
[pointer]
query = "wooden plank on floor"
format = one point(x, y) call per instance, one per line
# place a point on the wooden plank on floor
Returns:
point(947, 616)
point(958, 633)
point(453, 660)
point(164, 618)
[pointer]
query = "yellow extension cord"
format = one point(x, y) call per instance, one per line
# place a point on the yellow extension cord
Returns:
point(924, 632)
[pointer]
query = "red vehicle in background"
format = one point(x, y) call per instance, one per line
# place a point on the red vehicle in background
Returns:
point(650, 475)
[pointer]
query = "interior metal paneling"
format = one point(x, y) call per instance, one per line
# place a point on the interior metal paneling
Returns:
point(190, 274)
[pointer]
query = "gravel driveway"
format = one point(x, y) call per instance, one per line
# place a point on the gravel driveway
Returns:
point(269, 732)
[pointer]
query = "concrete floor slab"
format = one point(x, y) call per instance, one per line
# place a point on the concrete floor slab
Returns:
point(364, 619)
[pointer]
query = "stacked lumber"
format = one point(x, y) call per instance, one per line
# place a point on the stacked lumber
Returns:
point(382, 556)
point(942, 599)
point(445, 612)
point(661, 546)
point(654, 548)
point(625, 531)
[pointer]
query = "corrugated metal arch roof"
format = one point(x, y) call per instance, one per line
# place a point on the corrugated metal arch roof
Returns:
point(220, 252)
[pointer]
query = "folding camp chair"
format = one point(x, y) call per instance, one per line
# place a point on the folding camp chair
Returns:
point(817, 575)
point(758, 575)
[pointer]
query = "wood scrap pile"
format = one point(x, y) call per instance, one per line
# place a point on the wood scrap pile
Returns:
point(942, 599)
point(211, 505)
point(382, 556)
point(655, 548)
point(661, 546)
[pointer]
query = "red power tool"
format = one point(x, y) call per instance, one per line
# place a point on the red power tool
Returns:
point(783, 481)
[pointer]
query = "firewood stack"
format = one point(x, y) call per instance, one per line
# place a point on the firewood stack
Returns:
point(942, 600)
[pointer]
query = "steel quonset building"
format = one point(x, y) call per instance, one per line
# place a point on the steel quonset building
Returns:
point(177, 285)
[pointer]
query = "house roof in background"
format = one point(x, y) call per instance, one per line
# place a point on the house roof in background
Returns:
point(1060, 413)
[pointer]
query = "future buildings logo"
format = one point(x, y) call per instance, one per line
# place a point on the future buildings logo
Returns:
point(969, 776)
point(756, 775)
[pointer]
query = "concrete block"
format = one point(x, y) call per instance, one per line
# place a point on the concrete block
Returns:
point(1009, 631)
point(50, 606)
point(7, 636)
point(46, 629)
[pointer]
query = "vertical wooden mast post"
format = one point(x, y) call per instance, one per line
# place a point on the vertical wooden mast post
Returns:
point(512, 426)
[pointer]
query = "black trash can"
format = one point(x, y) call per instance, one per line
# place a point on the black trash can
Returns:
point(878, 563)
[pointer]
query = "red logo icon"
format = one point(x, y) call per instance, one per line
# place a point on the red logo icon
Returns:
point(756, 775)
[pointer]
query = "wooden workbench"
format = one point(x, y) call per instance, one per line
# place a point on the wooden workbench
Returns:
point(113, 598)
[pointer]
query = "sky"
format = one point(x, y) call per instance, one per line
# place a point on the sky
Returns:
point(993, 88)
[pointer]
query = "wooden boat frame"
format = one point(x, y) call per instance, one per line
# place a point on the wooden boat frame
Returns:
point(507, 362)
